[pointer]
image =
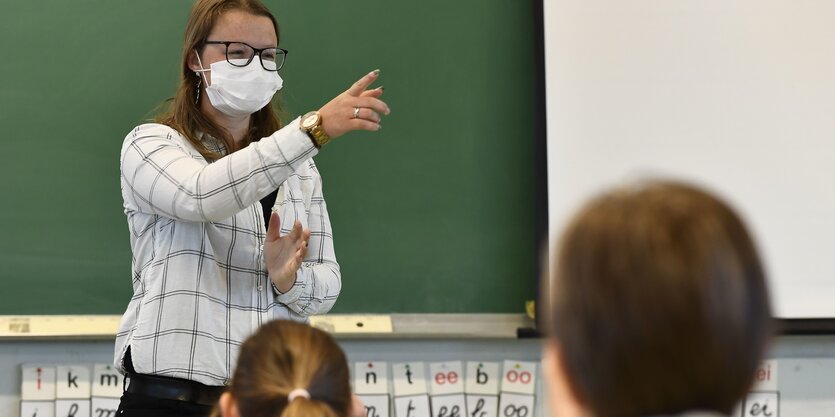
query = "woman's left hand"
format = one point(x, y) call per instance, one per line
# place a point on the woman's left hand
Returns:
point(357, 108)
point(284, 254)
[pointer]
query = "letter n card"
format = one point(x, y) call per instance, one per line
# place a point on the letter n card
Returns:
point(371, 378)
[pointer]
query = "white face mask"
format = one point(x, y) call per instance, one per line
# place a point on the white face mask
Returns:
point(240, 91)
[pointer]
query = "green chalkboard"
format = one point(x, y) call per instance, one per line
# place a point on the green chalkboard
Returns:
point(434, 214)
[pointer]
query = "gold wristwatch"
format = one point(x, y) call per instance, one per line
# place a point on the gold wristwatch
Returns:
point(311, 124)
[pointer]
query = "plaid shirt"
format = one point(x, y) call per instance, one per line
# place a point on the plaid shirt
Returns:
point(197, 230)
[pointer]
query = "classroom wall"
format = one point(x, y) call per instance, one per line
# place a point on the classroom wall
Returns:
point(806, 364)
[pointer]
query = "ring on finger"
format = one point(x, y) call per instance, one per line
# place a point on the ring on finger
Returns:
point(356, 112)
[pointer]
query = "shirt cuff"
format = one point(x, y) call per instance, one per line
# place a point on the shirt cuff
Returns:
point(296, 146)
point(290, 297)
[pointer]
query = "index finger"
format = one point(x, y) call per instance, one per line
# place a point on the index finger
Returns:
point(363, 83)
point(296, 232)
point(274, 227)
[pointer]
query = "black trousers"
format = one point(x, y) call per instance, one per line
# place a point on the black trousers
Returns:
point(134, 405)
point(138, 405)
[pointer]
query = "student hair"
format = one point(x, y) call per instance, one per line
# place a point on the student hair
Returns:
point(183, 114)
point(283, 356)
point(659, 303)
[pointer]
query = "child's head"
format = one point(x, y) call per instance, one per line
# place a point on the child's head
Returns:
point(285, 357)
point(659, 305)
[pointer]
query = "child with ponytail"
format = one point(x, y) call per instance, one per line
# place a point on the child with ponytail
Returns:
point(290, 369)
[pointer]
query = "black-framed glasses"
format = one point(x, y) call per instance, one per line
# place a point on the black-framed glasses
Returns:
point(240, 54)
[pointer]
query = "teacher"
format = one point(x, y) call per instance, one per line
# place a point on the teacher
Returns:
point(228, 224)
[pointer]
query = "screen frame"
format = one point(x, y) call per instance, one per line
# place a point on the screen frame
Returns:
point(783, 326)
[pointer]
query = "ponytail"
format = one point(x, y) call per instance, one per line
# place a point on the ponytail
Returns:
point(307, 407)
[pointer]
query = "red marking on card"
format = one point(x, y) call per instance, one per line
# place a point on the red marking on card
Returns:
point(442, 378)
point(763, 374)
point(523, 377)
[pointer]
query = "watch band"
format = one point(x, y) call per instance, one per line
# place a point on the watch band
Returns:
point(311, 124)
point(319, 136)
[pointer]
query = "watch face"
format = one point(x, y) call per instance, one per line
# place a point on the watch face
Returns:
point(309, 121)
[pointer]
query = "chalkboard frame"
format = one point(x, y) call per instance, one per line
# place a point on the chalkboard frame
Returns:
point(541, 159)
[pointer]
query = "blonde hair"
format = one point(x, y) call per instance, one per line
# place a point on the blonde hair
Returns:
point(283, 356)
point(183, 114)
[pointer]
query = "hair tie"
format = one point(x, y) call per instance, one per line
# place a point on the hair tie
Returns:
point(296, 393)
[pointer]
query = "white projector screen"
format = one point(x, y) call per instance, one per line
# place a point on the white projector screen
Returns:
point(735, 96)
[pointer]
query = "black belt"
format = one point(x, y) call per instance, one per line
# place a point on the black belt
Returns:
point(173, 389)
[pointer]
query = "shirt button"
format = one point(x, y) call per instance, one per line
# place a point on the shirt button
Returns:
point(260, 288)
